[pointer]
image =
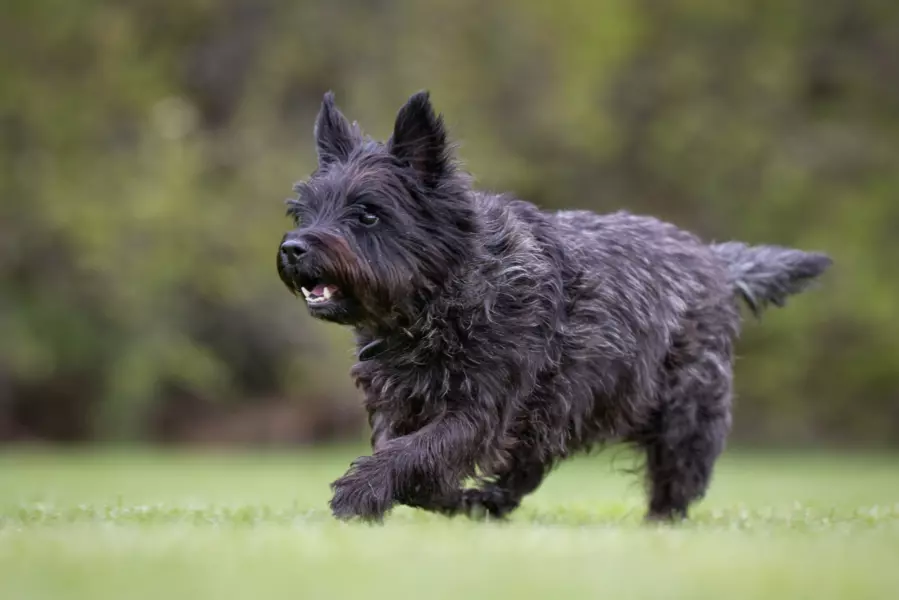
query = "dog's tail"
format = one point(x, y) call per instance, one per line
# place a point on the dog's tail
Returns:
point(764, 275)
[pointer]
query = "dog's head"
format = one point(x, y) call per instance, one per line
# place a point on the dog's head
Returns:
point(378, 226)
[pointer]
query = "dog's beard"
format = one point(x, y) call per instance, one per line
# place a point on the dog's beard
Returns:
point(349, 294)
point(326, 298)
point(342, 298)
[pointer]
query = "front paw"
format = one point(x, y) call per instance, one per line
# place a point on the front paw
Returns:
point(365, 492)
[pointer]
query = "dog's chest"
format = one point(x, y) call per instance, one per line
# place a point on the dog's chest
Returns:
point(409, 391)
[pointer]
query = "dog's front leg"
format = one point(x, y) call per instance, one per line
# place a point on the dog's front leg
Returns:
point(381, 430)
point(427, 464)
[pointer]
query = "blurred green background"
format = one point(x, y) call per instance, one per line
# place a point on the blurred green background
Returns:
point(146, 147)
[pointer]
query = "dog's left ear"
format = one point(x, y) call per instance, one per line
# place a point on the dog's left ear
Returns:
point(419, 139)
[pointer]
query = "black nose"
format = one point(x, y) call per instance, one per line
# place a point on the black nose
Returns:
point(292, 250)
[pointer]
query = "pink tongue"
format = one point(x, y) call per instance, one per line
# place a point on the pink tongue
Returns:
point(319, 290)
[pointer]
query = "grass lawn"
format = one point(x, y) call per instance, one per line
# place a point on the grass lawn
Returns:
point(101, 525)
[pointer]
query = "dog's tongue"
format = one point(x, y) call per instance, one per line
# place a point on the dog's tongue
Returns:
point(320, 289)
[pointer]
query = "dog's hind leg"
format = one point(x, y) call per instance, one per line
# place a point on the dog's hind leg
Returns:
point(496, 498)
point(687, 436)
point(503, 495)
point(500, 496)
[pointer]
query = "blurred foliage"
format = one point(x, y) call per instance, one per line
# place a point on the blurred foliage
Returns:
point(145, 147)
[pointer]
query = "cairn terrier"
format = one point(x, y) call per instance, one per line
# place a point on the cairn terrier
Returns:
point(496, 339)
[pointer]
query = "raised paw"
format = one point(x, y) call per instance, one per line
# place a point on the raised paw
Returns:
point(365, 492)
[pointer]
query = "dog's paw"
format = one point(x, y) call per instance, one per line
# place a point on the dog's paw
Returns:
point(364, 493)
point(487, 502)
point(665, 516)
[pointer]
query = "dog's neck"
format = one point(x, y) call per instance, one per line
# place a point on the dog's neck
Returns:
point(500, 249)
point(436, 316)
point(433, 310)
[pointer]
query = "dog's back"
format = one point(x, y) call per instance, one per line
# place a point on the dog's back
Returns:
point(646, 343)
point(638, 296)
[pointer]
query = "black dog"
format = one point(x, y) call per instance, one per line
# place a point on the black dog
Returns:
point(496, 339)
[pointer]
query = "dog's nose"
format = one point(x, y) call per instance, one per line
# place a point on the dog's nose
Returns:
point(292, 250)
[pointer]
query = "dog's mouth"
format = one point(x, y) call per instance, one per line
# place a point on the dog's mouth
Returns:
point(320, 293)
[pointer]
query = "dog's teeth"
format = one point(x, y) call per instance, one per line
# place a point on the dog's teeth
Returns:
point(327, 293)
point(305, 292)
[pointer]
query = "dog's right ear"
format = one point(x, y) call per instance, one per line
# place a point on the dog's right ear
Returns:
point(419, 140)
point(335, 138)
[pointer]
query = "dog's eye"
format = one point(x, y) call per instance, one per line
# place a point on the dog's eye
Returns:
point(368, 219)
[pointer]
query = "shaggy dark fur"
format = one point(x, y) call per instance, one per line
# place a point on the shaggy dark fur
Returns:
point(496, 339)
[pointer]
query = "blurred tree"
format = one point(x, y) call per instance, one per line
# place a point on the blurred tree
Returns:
point(145, 146)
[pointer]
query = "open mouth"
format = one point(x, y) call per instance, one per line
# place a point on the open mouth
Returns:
point(321, 293)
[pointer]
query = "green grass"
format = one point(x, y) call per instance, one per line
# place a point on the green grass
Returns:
point(164, 526)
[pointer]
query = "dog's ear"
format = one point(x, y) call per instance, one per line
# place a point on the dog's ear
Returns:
point(335, 138)
point(419, 139)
